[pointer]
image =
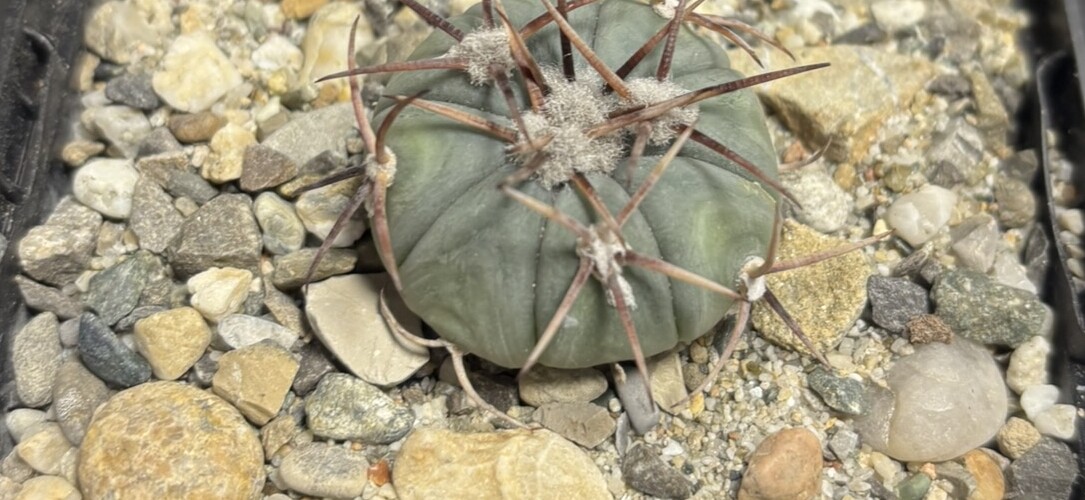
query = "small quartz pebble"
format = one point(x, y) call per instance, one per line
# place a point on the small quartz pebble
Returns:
point(228, 146)
point(1057, 421)
point(218, 292)
point(105, 355)
point(979, 309)
point(645, 471)
point(256, 379)
point(76, 395)
point(121, 126)
point(199, 446)
point(20, 420)
point(35, 354)
point(1037, 398)
point(918, 216)
point(283, 231)
point(43, 448)
point(319, 210)
point(976, 242)
point(437, 463)
point(195, 127)
point(119, 32)
point(898, 15)
point(48, 487)
point(1048, 470)
point(329, 31)
point(894, 301)
point(172, 341)
point(278, 432)
point(292, 269)
point(542, 385)
point(106, 185)
point(263, 168)
point(238, 330)
point(825, 206)
point(278, 52)
point(786, 464)
point(344, 407)
point(323, 470)
point(1017, 437)
point(194, 73)
point(585, 424)
point(344, 311)
point(1028, 364)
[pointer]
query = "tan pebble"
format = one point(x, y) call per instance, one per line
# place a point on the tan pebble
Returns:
point(256, 379)
point(1016, 437)
point(990, 484)
point(301, 9)
point(48, 488)
point(786, 465)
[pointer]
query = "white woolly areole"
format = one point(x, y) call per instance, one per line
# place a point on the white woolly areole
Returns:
point(571, 109)
point(666, 8)
point(755, 287)
point(602, 248)
point(379, 172)
point(484, 49)
point(649, 91)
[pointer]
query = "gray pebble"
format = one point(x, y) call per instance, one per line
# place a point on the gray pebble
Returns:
point(154, 218)
point(35, 354)
point(314, 364)
point(1016, 202)
point(122, 126)
point(950, 86)
point(114, 292)
point(69, 332)
point(345, 407)
point(263, 167)
point(222, 233)
point(844, 443)
point(47, 299)
point(323, 470)
point(497, 390)
point(158, 141)
point(1047, 470)
point(866, 34)
point(170, 170)
point(313, 170)
point(894, 301)
point(76, 394)
point(977, 308)
point(633, 393)
point(105, 355)
point(840, 393)
point(203, 372)
point(955, 155)
point(132, 90)
point(645, 471)
point(825, 205)
point(585, 424)
point(58, 252)
point(140, 312)
point(290, 269)
point(976, 241)
point(311, 133)
point(283, 230)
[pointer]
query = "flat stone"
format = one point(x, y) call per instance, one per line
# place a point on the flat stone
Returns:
point(238, 330)
point(282, 229)
point(218, 292)
point(35, 356)
point(106, 185)
point(825, 206)
point(52, 487)
point(918, 216)
point(57, 254)
point(228, 151)
point(977, 308)
point(314, 132)
point(586, 424)
point(114, 292)
point(198, 445)
point(132, 89)
point(1028, 364)
point(1047, 470)
point(170, 170)
point(976, 241)
point(122, 127)
point(542, 385)
point(842, 394)
point(825, 104)
point(290, 269)
point(646, 472)
point(195, 127)
point(77, 393)
point(633, 392)
point(895, 301)
point(787, 464)
point(194, 73)
point(172, 341)
point(435, 463)
point(283, 308)
point(256, 379)
point(344, 407)
point(344, 311)
point(263, 168)
point(668, 385)
point(323, 470)
point(47, 299)
point(222, 233)
point(43, 448)
point(1016, 437)
point(320, 208)
point(825, 298)
point(105, 355)
point(154, 218)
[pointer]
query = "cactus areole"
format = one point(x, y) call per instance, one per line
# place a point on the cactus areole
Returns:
point(488, 273)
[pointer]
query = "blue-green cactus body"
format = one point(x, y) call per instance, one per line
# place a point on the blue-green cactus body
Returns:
point(488, 273)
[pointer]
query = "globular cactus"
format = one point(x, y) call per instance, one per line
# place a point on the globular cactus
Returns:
point(572, 185)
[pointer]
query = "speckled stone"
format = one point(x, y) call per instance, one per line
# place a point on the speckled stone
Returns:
point(435, 463)
point(132, 89)
point(344, 407)
point(76, 395)
point(825, 206)
point(825, 299)
point(842, 394)
point(978, 308)
point(154, 218)
point(894, 301)
point(927, 328)
point(1016, 437)
point(172, 341)
point(263, 168)
point(58, 252)
point(222, 233)
point(256, 379)
point(586, 424)
point(47, 299)
point(114, 292)
point(197, 445)
point(290, 269)
point(314, 132)
point(646, 472)
point(35, 355)
point(1047, 470)
point(542, 385)
point(323, 470)
point(786, 464)
point(105, 355)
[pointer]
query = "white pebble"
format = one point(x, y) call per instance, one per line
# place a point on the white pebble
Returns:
point(218, 292)
point(1037, 398)
point(918, 216)
point(194, 74)
point(898, 15)
point(1072, 220)
point(276, 53)
point(106, 185)
point(1057, 421)
point(1028, 364)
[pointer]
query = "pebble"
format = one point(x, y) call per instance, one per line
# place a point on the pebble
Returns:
point(895, 301)
point(344, 407)
point(927, 328)
point(291, 269)
point(43, 448)
point(955, 156)
point(301, 9)
point(197, 445)
point(277, 53)
point(843, 444)
point(1057, 421)
point(1072, 220)
point(222, 233)
point(122, 127)
point(823, 104)
point(918, 216)
point(58, 253)
point(203, 372)
point(632, 390)
point(787, 464)
point(238, 330)
point(157, 141)
point(314, 364)
point(255, 379)
point(77, 152)
point(1037, 398)
point(1028, 364)
point(825, 299)
point(1016, 437)
point(172, 341)
point(645, 471)
point(228, 146)
point(1047, 470)
point(950, 85)
point(885, 467)
point(106, 356)
point(283, 310)
point(977, 308)
point(154, 219)
point(118, 32)
point(277, 433)
point(132, 89)
point(77, 393)
point(264, 167)
point(990, 482)
point(437, 463)
point(320, 208)
point(842, 394)
point(915, 487)
point(195, 127)
point(323, 470)
point(825, 206)
point(324, 42)
point(194, 73)
point(585, 424)
point(1008, 270)
point(976, 241)
point(114, 292)
point(542, 385)
point(1016, 203)
point(911, 422)
point(308, 134)
point(48, 487)
point(107, 186)
point(35, 357)
point(20, 420)
point(283, 231)
point(895, 15)
point(218, 292)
